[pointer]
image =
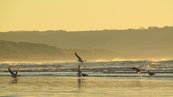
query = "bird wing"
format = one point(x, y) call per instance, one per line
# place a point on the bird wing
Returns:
point(17, 71)
point(78, 56)
point(136, 69)
point(10, 71)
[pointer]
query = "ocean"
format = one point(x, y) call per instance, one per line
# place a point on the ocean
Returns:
point(106, 79)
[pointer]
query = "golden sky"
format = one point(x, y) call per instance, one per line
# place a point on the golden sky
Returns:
point(84, 14)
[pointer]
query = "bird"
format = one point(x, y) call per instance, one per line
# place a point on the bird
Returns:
point(80, 74)
point(151, 73)
point(138, 71)
point(79, 58)
point(14, 75)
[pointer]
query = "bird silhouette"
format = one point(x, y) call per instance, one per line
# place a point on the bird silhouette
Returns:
point(79, 58)
point(80, 74)
point(14, 75)
point(151, 73)
point(138, 71)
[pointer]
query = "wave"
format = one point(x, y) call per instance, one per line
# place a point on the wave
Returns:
point(105, 67)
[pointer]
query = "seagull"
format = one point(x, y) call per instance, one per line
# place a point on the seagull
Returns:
point(79, 58)
point(14, 75)
point(138, 71)
point(80, 74)
point(151, 73)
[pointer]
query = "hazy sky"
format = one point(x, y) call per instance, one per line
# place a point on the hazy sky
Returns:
point(84, 14)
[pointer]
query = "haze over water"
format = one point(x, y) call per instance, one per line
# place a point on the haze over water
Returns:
point(40, 38)
point(106, 79)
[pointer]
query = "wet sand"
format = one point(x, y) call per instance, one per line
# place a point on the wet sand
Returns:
point(53, 86)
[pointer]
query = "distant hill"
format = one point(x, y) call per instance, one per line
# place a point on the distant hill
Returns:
point(24, 51)
point(153, 41)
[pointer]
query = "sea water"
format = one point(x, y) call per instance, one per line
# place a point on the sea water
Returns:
point(56, 86)
point(106, 79)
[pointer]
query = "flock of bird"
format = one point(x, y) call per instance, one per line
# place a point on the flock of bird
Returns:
point(79, 72)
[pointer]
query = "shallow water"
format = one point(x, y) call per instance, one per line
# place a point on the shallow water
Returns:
point(58, 86)
point(106, 79)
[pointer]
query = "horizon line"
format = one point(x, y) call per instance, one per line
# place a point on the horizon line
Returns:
point(140, 28)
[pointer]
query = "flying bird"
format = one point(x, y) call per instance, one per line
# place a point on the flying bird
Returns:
point(80, 74)
point(79, 58)
point(138, 71)
point(14, 74)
